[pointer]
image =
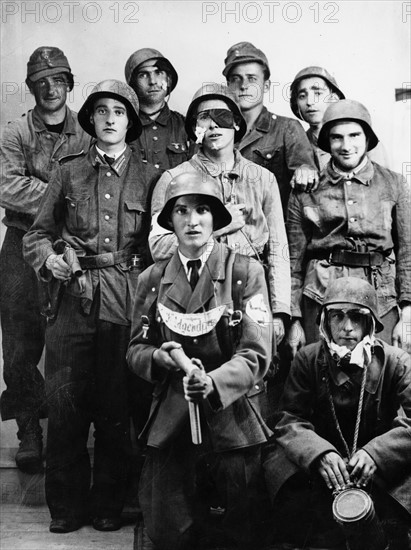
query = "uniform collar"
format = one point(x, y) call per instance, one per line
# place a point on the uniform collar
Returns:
point(162, 118)
point(374, 369)
point(179, 290)
point(118, 166)
point(262, 124)
point(363, 176)
point(214, 169)
point(69, 122)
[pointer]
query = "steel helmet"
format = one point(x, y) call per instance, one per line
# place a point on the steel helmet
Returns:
point(245, 52)
point(195, 183)
point(115, 89)
point(348, 110)
point(353, 290)
point(212, 90)
point(309, 72)
point(147, 54)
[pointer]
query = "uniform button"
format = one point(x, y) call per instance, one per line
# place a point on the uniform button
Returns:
point(107, 196)
point(349, 182)
point(155, 138)
point(239, 282)
point(105, 260)
point(353, 219)
point(48, 136)
point(108, 174)
point(106, 217)
point(106, 240)
point(350, 202)
point(268, 155)
point(195, 341)
point(156, 166)
point(154, 127)
point(257, 387)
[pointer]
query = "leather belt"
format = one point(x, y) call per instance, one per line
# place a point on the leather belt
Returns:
point(104, 260)
point(350, 258)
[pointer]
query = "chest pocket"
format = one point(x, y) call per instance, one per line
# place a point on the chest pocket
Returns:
point(135, 212)
point(177, 153)
point(78, 212)
point(267, 156)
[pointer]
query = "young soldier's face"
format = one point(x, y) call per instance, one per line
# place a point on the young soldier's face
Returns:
point(110, 121)
point(348, 145)
point(313, 98)
point(247, 82)
point(50, 92)
point(215, 138)
point(192, 222)
point(347, 324)
point(151, 84)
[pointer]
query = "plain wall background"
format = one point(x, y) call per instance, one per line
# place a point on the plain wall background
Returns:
point(365, 44)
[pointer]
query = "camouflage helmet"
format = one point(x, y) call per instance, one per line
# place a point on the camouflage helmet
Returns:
point(245, 52)
point(47, 61)
point(353, 290)
point(346, 110)
point(213, 90)
point(147, 54)
point(195, 183)
point(116, 90)
point(309, 72)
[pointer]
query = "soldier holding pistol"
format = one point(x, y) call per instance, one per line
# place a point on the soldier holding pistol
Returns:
point(98, 205)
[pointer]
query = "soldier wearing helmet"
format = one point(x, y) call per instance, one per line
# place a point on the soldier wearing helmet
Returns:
point(340, 429)
point(163, 140)
point(277, 143)
point(250, 193)
point(356, 223)
point(96, 211)
point(312, 90)
point(29, 152)
point(212, 303)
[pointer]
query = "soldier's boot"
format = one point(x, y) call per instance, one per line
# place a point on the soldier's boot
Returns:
point(29, 455)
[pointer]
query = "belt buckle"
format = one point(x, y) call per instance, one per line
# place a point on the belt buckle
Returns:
point(235, 318)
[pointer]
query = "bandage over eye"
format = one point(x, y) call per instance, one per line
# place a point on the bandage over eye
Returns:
point(222, 117)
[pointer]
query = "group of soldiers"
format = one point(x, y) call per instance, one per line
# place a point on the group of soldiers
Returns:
point(139, 241)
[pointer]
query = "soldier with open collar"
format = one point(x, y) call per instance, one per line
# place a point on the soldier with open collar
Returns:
point(163, 141)
point(98, 206)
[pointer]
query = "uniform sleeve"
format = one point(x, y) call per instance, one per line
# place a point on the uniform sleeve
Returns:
point(294, 432)
point(298, 148)
point(298, 238)
point(140, 350)
point(402, 231)
point(251, 360)
point(37, 243)
point(162, 243)
point(391, 450)
point(19, 190)
point(277, 254)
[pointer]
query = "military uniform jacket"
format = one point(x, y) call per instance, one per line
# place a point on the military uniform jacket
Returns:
point(231, 414)
point(279, 144)
point(98, 210)
point(306, 428)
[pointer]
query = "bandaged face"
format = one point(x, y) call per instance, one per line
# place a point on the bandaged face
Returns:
point(215, 125)
point(348, 324)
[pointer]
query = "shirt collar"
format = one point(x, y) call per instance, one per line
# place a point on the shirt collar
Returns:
point(69, 122)
point(362, 174)
point(215, 169)
point(120, 163)
point(204, 256)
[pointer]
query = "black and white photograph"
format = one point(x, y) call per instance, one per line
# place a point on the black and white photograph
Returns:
point(205, 275)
